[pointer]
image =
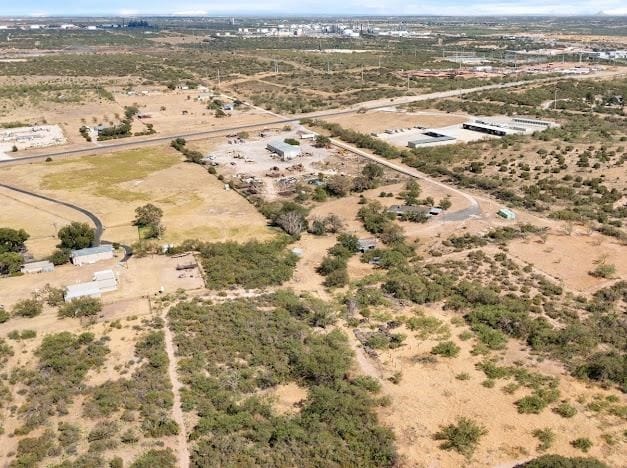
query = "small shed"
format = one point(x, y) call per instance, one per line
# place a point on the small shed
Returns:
point(75, 291)
point(37, 267)
point(306, 135)
point(366, 244)
point(506, 213)
point(403, 210)
point(91, 254)
point(105, 280)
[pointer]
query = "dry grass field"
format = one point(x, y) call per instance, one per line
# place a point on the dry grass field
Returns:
point(195, 203)
point(378, 121)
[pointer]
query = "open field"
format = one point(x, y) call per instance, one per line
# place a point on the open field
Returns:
point(194, 202)
point(380, 120)
point(42, 219)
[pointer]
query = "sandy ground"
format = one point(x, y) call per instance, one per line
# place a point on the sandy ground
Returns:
point(378, 121)
point(41, 219)
point(571, 257)
point(195, 203)
point(430, 396)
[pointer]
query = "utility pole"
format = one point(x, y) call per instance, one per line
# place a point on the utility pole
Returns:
point(555, 98)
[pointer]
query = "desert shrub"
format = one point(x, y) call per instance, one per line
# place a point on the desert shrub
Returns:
point(152, 458)
point(28, 308)
point(101, 437)
point(4, 315)
point(417, 288)
point(531, 404)
point(558, 461)
point(463, 437)
point(81, 307)
point(446, 349)
point(68, 434)
point(427, 326)
point(32, 450)
point(10, 263)
point(336, 423)
point(601, 367)
point(583, 443)
point(147, 391)
point(546, 437)
point(604, 270)
point(64, 360)
point(565, 410)
point(250, 265)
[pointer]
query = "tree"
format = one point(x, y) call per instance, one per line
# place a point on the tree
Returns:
point(81, 307)
point(339, 186)
point(349, 241)
point(76, 236)
point(445, 203)
point(322, 141)
point(391, 234)
point(28, 308)
point(333, 223)
point(12, 240)
point(372, 171)
point(60, 256)
point(412, 192)
point(291, 222)
point(149, 216)
point(10, 263)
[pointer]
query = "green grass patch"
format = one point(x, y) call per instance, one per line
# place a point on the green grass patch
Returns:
point(102, 173)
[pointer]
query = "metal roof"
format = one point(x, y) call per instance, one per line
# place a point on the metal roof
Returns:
point(82, 289)
point(278, 145)
point(104, 275)
point(35, 265)
point(92, 250)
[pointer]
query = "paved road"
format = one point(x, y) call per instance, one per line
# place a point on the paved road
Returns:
point(99, 228)
point(117, 145)
point(94, 219)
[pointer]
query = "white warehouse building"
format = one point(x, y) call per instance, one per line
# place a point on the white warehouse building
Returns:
point(285, 150)
point(91, 254)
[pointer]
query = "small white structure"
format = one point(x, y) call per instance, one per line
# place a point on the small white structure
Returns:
point(91, 254)
point(306, 135)
point(285, 150)
point(102, 282)
point(75, 291)
point(37, 267)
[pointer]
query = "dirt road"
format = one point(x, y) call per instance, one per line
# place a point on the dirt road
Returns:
point(177, 413)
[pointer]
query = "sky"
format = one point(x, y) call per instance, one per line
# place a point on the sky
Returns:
point(302, 7)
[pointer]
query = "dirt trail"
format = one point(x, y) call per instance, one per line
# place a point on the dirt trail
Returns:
point(182, 454)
